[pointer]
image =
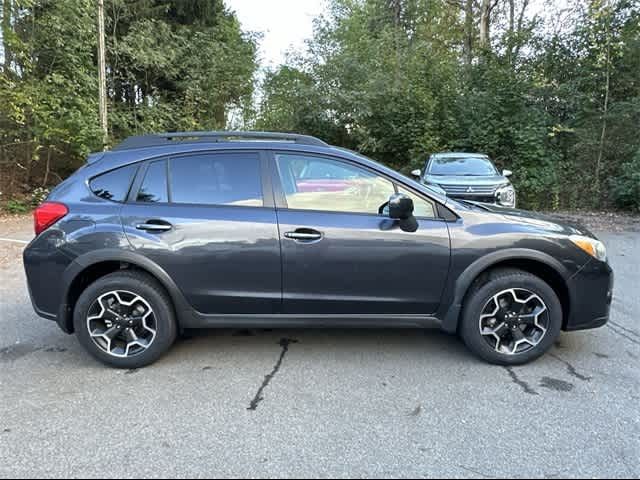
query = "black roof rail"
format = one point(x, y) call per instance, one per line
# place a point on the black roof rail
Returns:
point(172, 138)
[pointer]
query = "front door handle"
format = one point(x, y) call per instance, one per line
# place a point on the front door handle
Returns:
point(154, 226)
point(304, 235)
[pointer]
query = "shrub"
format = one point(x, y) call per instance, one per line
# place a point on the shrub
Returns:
point(625, 188)
point(39, 195)
point(16, 207)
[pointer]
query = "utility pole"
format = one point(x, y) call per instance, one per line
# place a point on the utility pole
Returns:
point(102, 76)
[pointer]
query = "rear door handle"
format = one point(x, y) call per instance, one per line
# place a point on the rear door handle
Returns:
point(154, 226)
point(304, 235)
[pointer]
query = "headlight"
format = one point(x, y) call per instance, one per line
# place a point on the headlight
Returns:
point(593, 247)
point(506, 196)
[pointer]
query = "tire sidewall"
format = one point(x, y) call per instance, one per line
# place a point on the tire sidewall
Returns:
point(140, 285)
point(470, 330)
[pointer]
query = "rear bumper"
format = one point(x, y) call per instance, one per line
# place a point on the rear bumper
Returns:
point(45, 264)
point(591, 291)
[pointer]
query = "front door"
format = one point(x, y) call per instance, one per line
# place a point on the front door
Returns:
point(340, 256)
point(207, 220)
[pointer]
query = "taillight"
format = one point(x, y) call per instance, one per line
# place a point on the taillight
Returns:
point(47, 214)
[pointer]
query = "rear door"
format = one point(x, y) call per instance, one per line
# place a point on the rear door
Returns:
point(340, 256)
point(208, 219)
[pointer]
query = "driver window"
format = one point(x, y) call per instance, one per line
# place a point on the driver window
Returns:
point(316, 183)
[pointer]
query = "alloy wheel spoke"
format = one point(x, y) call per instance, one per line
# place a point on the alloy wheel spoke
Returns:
point(130, 335)
point(111, 333)
point(121, 323)
point(513, 321)
point(518, 335)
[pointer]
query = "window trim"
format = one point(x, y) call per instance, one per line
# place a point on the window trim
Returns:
point(265, 182)
point(281, 199)
point(134, 176)
point(282, 204)
point(143, 175)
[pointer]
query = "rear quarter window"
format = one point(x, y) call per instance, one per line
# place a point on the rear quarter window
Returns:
point(114, 185)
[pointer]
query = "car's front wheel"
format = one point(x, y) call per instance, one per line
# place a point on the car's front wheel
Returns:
point(511, 318)
point(125, 320)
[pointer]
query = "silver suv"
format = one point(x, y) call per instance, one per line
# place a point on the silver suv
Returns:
point(468, 176)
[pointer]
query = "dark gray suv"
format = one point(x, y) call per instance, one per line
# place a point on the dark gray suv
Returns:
point(468, 176)
point(230, 229)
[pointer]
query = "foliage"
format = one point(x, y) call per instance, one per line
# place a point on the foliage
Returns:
point(171, 64)
point(16, 207)
point(39, 195)
point(626, 187)
point(554, 97)
point(395, 79)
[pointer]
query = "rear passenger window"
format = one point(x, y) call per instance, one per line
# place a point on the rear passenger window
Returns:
point(154, 185)
point(217, 179)
point(114, 185)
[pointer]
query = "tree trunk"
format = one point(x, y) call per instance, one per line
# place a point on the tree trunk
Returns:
point(512, 16)
point(102, 75)
point(485, 24)
point(512, 29)
point(6, 28)
point(468, 32)
point(47, 171)
point(396, 11)
point(519, 28)
point(220, 116)
point(605, 111)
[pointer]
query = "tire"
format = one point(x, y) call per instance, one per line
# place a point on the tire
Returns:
point(154, 335)
point(485, 297)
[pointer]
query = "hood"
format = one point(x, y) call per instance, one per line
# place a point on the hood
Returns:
point(537, 221)
point(470, 180)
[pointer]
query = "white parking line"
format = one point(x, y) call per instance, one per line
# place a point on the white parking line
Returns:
point(14, 241)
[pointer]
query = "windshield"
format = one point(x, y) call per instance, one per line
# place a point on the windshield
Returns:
point(462, 165)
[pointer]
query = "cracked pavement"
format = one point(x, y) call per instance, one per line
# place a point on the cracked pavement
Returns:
point(328, 403)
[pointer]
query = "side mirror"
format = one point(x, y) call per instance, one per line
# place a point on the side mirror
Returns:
point(507, 173)
point(401, 208)
point(417, 173)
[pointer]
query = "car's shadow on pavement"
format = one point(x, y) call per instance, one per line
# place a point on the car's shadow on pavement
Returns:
point(332, 340)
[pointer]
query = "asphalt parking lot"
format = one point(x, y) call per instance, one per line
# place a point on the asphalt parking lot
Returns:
point(319, 403)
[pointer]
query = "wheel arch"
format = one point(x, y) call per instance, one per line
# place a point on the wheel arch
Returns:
point(88, 268)
point(535, 262)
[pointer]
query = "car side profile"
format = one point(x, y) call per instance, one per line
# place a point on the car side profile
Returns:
point(468, 176)
point(188, 230)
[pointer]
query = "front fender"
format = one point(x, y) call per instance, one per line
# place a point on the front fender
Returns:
point(464, 281)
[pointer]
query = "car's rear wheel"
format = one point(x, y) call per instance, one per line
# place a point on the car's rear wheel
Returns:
point(511, 318)
point(125, 320)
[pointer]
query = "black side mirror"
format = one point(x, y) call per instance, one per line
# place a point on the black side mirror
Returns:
point(401, 208)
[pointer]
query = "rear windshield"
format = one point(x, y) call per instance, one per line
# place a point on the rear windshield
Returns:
point(462, 165)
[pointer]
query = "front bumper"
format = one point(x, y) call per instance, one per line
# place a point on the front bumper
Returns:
point(591, 291)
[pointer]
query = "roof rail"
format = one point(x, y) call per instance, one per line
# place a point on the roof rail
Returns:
point(172, 138)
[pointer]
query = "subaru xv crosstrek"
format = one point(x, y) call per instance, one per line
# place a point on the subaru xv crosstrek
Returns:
point(242, 229)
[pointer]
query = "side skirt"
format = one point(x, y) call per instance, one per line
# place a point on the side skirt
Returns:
point(197, 320)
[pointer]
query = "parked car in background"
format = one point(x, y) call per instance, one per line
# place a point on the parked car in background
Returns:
point(251, 229)
point(468, 176)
